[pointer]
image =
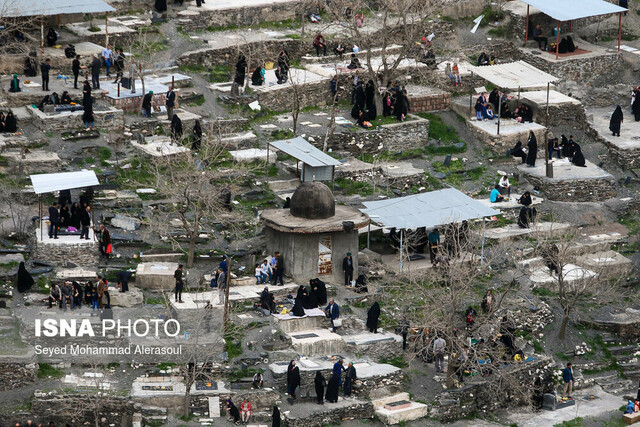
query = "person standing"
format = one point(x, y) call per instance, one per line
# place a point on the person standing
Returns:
point(45, 67)
point(372, 317)
point(146, 104)
point(320, 383)
point(567, 377)
point(434, 243)
point(170, 103)
point(616, 120)
point(95, 72)
point(100, 287)
point(294, 381)
point(87, 106)
point(338, 369)
point(333, 312)
point(532, 145)
point(54, 221)
point(75, 68)
point(332, 389)
point(85, 222)
point(123, 280)
point(105, 241)
point(179, 283)
point(107, 56)
point(119, 63)
point(439, 347)
point(278, 269)
point(349, 377)
point(347, 269)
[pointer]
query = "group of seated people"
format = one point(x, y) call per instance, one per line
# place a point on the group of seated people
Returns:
point(55, 99)
point(306, 298)
point(8, 123)
point(488, 107)
point(566, 44)
point(566, 148)
point(484, 59)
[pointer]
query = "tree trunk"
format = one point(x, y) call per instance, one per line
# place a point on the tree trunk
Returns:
point(192, 248)
point(187, 398)
point(563, 326)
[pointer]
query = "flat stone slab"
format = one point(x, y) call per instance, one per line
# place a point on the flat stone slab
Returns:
point(198, 300)
point(354, 166)
point(564, 170)
point(96, 381)
point(157, 275)
point(368, 338)
point(513, 230)
point(9, 258)
point(76, 273)
point(316, 341)
point(33, 156)
point(133, 297)
point(394, 406)
point(612, 260)
point(508, 128)
point(253, 154)
point(221, 5)
point(159, 146)
point(43, 238)
point(400, 169)
point(571, 272)
point(330, 69)
point(539, 98)
point(629, 138)
point(297, 75)
point(314, 312)
point(512, 203)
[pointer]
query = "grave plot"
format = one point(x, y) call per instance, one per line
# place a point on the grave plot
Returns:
point(53, 119)
point(159, 146)
point(399, 408)
point(160, 83)
point(562, 108)
point(314, 342)
point(309, 413)
point(570, 182)
point(330, 69)
point(608, 263)
point(33, 161)
point(361, 55)
point(313, 319)
point(157, 275)
point(510, 204)
point(625, 148)
point(313, 89)
point(513, 231)
point(253, 154)
point(199, 300)
point(571, 273)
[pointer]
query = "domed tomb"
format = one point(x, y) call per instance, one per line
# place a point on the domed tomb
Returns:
point(313, 200)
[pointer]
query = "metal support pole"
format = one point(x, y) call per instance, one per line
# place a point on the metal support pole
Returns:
point(42, 35)
point(106, 29)
point(369, 235)
point(549, 166)
point(173, 82)
point(470, 94)
point(557, 38)
point(401, 249)
point(526, 31)
point(226, 292)
point(499, 111)
point(118, 89)
point(484, 220)
point(267, 178)
point(40, 209)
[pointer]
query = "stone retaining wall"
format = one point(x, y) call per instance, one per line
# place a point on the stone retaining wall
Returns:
point(246, 16)
point(428, 103)
point(581, 190)
point(111, 118)
point(261, 50)
point(16, 375)
point(134, 104)
point(331, 415)
point(580, 70)
point(85, 254)
point(403, 136)
point(78, 409)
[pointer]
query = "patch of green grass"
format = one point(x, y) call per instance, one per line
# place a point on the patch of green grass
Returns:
point(156, 301)
point(397, 361)
point(543, 292)
point(193, 68)
point(491, 15)
point(233, 348)
point(220, 73)
point(113, 365)
point(538, 347)
point(165, 365)
point(439, 130)
point(94, 29)
point(293, 36)
point(243, 373)
point(606, 39)
point(499, 31)
point(9, 265)
point(350, 187)
point(281, 134)
point(47, 371)
point(200, 100)
point(576, 422)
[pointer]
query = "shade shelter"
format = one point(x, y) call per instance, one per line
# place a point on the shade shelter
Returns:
point(42, 8)
point(570, 10)
point(428, 210)
point(50, 182)
point(517, 75)
point(316, 165)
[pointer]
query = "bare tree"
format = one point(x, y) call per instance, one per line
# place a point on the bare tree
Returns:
point(18, 205)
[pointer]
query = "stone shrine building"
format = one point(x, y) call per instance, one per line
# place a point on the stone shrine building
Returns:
point(314, 235)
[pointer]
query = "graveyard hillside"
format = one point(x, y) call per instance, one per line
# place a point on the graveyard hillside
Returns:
point(309, 213)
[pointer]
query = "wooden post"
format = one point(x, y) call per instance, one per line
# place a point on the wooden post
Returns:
point(499, 111)
point(548, 166)
point(570, 26)
point(173, 82)
point(226, 292)
point(106, 29)
point(526, 31)
point(42, 35)
point(619, 30)
point(40, 209)
point(118, 89)
point(557, 38)
point(470, 94)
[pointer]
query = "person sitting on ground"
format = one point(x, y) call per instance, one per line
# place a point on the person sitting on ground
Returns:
point(359, 17)
point(245, 411)
point(483, 59)
point(146, 104)
point(456, 74)
point(362, 121)
point(319, 289)
point(495, 196)
point(257, 78)
point(281, 76)
point(14, 86)
point(339, 49)
point(65, 99)
point(257, 380)
point(571, 47)
point(355, 62)
point(525, 199)
point(319, 43)
point(552, 145)
point(55, 296)
point(233, 412)
point(10, 123)
point(298, 309)
point(504, 185)
point(492, 60)
point(52, 37)
point(550, 255)
point(505, 111)
point(577, 156)
point(470, 316)
point(537, 36)
point(267, 300)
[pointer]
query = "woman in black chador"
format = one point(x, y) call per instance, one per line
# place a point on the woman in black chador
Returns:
point(532, 145)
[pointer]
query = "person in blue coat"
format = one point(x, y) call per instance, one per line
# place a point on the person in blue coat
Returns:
point(333, 312)
point(338, 369)
point(567, 377)
point(495, 195)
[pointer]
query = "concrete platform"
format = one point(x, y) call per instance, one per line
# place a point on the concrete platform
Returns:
point(42, 237)
point(157, 275)
point(313, 319)
point(607, 263)
point(159, 146)
point(368, 338)
point(592, 50)
point(253, 154)
point(316, 342)
point(571, 273)
point(297, 75)
point(392, 261)
point(400, 170)
point(330, 69)
point(198, 300)
point(406, 412)
point(512, 203)
point(624, 148)
point(570, 182)
point(512, 231)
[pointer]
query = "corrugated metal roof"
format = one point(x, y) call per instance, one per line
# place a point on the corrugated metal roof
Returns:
point(431, 209)
point(22, 8)
point(567, 10)
point(49, 182)
point(514, 75)
point(302, 150)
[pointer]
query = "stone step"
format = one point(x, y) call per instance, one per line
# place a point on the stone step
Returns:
point(623, 349)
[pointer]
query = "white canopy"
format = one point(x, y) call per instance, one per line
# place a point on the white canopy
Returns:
point(431, 209)
point(49, 182)
point(569, 10)
point(514, 75)
point(300, 149)
point(21, 8)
